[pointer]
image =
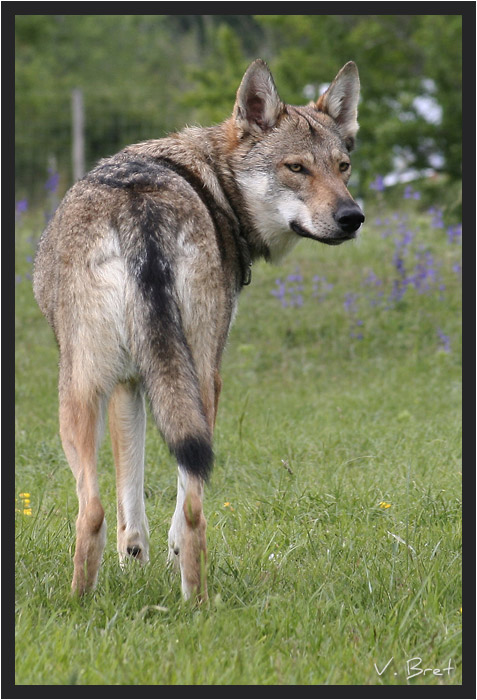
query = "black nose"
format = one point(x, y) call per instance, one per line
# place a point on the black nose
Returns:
point(349, 217)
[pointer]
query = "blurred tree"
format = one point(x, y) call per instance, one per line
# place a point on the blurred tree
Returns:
point(440, 37)
point(400, 58)
point(126, 65)
point(216, 80)
point(144, 75)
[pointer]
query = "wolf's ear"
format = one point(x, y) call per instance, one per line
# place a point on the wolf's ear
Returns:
point(340, 101)
point(258, 106)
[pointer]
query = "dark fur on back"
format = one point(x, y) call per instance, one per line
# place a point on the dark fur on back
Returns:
point(142, 174)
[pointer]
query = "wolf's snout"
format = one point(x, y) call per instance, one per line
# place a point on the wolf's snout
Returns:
point(349, 217)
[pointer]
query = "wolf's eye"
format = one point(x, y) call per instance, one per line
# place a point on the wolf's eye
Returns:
point(344, 166)
point(295, 167)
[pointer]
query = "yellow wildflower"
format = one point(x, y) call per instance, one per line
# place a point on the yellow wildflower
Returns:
point(383, 504)
point(26, 507)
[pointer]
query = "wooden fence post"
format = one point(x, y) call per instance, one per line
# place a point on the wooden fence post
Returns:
point(77, 113)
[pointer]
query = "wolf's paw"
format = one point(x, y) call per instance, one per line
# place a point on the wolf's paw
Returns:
point(173, 557)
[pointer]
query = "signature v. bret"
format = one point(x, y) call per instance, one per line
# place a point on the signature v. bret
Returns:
point(413, 668)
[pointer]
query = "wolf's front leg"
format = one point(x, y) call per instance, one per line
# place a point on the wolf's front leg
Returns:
point(187, 541)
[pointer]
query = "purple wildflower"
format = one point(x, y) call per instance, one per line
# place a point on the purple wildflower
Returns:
point(409, 193)
point(52, 183)
point(454, 233)
point(444, 340)
point(437, 215)
point(407, 236)
point(290, 292)
point(321, 287)
point(372, 280)
point(350, 302)
point(280, 293)
point(378, 184)
point(400, 217)
point(20, 208)
point(402, 242)
point(296, 289)
point(398, 290)
point(398, 262)
point(425, 274)
point(297, 300)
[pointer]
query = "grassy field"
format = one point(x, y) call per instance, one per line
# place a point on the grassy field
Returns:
point(334, 509)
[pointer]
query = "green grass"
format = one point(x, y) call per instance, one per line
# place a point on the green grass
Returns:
point(312, 579)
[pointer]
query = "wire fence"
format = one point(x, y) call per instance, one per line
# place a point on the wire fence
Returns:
point(59, 145)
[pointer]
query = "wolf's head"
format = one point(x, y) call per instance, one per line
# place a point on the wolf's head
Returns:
point(292, 163)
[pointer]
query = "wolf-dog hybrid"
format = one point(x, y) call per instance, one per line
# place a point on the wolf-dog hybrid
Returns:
point(138, 274)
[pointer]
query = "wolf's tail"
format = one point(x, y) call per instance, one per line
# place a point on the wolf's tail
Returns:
point(161, 350)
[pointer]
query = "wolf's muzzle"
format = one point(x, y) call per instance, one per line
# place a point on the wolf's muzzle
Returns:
point(335, 239)
point(349, 217)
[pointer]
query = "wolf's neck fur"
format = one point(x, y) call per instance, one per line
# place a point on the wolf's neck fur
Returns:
point(206, 152)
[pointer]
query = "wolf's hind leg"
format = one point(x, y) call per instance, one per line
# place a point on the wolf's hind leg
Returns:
point(187, 538)
point(187, 534)
point(80, 429)
point(127, 424)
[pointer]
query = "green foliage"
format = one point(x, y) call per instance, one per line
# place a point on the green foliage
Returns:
point(119, 61)
point(217, 79)
point(394, 54)
point(334, 509)
point(144, 75)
